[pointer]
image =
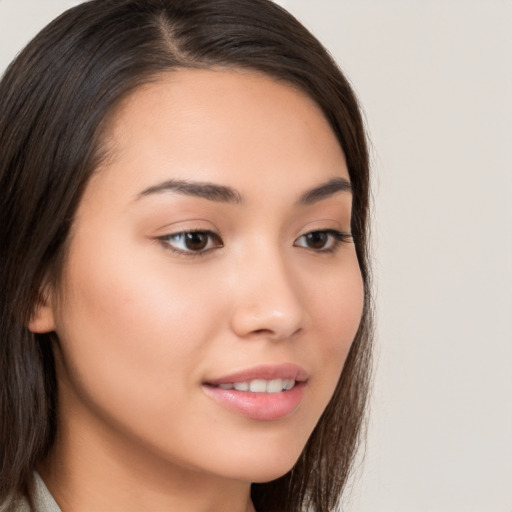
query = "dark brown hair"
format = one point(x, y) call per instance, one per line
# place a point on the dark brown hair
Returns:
point(54, 102)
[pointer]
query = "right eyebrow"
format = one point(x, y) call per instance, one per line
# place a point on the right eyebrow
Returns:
point(204, 190)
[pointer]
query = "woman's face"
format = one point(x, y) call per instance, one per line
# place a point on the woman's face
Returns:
point(211, 290)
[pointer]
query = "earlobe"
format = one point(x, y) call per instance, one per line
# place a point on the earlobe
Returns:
point(42, 319)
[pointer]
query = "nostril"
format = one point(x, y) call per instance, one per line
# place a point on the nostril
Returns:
point(275, 335)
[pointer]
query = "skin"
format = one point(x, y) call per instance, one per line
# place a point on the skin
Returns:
point(142, 327)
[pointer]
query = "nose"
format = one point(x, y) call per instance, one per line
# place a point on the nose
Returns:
point(269, 303)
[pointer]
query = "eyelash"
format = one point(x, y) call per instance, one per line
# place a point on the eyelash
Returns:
point(337, 238)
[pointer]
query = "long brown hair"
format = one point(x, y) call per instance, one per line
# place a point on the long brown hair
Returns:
point(55, 99)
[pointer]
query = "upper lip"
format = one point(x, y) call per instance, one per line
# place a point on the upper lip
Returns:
point(285, 371)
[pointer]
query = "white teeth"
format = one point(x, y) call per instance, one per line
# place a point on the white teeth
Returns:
point(258, 386)
point(275, 386)
point(261, 385)
point(288, 384)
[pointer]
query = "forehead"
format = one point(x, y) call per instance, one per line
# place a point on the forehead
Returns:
point(194, 122)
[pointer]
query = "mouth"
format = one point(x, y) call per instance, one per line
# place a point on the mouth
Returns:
point(264, 393)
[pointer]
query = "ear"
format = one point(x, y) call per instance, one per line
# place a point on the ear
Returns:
point(42, 319)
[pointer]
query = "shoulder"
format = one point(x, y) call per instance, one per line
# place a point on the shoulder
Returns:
point(42, 500)
point(15, 505)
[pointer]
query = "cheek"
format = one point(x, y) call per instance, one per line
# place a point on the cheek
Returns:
point(336, 310)
point(133, 301)
point(130, 332)
point(338, 306)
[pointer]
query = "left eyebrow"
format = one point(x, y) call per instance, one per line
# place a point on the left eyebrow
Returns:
point(324, 191)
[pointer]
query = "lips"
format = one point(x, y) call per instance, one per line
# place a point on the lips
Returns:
point(264, 393)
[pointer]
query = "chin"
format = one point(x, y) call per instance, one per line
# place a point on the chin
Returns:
point(265, 469)
point(268, 476)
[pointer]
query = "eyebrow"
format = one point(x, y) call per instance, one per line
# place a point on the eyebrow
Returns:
point(224, 194)
point(210, 191)
point(324, 191)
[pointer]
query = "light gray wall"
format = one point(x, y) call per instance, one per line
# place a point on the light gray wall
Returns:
point(435, 80)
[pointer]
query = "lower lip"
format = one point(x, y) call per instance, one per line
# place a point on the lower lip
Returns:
point(259, 406)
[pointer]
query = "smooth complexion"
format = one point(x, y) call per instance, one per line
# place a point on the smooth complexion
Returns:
point(156, 326)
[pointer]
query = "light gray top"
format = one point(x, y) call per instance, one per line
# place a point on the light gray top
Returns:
point(43, 500)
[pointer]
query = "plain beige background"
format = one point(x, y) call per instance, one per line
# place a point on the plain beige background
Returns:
point(435, 81)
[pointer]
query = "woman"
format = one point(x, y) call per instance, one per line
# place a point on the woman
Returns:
point(185, 308)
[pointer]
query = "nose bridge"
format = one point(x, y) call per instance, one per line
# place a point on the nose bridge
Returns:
point(268, 298)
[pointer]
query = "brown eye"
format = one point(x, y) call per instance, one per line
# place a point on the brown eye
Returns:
point(196, 241)
point(317, 239)
point(190, 242)
point(327, 240)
